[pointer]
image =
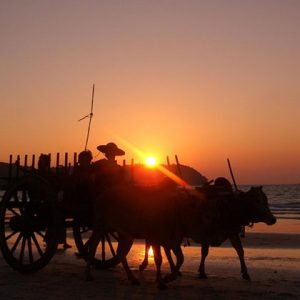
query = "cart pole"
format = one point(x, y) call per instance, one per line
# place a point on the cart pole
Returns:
point(178, 166)
point(168, 161)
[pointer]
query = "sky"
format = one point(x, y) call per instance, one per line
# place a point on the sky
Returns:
point(206, 80)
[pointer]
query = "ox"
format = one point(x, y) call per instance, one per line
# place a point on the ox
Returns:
point(144, 213)
point(165, 215)
point(233, 212)
point(228, 212)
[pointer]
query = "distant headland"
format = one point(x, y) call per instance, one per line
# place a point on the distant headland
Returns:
point(189, 174)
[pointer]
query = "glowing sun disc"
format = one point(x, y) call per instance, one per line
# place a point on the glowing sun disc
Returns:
point(150, 161)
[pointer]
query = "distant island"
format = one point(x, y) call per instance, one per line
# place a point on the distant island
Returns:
point(189, 174)
point(142, 175)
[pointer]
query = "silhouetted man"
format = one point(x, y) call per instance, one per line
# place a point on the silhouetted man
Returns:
point(107, 171)
point(83, 169)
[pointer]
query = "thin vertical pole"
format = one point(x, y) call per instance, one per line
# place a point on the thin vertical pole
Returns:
point(243, 230)
point(66, 162)
point(25, 162)
point(178, 167)
point(231, 173)
point(33, 162)
point(57, 162)
point(17, 165)
point(168, 161)
point(90, 120)
point(10, 167)
point(75, 159)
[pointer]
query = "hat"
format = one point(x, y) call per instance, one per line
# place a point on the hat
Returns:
point(111, 148)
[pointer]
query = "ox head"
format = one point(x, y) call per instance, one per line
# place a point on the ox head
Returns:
point(258, 207)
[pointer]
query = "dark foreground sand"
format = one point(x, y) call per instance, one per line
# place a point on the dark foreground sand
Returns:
point(272, 256)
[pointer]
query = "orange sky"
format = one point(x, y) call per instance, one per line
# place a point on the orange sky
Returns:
point(205, 80)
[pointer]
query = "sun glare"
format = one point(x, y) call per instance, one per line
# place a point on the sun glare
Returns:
point(150, 161)
point(150, 251)
point(161, 168)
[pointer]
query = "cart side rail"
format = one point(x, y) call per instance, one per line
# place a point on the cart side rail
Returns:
point(19, 165)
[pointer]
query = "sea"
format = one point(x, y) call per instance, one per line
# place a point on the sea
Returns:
point(284, 199)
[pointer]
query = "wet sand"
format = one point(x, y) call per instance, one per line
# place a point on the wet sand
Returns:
point(272, 256)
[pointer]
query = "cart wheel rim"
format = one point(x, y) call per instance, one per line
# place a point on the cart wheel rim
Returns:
point(27, 234)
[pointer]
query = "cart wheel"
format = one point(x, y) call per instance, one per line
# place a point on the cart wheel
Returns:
point(27, 229)
point(106, 255)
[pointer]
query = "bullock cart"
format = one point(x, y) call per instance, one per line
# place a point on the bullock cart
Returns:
point(36, 210)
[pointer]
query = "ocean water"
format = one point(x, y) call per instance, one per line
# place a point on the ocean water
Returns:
point(284, 199)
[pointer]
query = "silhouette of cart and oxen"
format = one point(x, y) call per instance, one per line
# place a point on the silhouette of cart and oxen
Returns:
point(107, 209)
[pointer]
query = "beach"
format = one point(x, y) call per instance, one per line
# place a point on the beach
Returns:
point(271, 253)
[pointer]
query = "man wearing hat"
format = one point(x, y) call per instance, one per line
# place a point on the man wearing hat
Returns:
point(108, 172)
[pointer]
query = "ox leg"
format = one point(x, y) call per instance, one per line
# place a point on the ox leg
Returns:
point(237, 245)
point(204, 253)
point(93, 243)
point(144, 264)
point(170, 259)
point(158, 262)
point(174, 268)
point(179, 259)
point(123, 248)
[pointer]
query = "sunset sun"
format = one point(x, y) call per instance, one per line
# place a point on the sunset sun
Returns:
point(150, 161)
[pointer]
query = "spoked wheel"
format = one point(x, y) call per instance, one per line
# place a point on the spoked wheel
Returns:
point(27, 224)
point(106, 255)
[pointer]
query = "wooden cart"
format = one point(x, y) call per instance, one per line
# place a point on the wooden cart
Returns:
point(34, 215)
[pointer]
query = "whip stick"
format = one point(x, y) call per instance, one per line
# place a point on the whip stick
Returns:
point(243, 230)
point(231, 173)
point(90, 120)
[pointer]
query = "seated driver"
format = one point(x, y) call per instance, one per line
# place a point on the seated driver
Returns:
point(107, 171)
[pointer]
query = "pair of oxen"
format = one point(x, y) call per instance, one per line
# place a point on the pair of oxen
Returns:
point(164, 216)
